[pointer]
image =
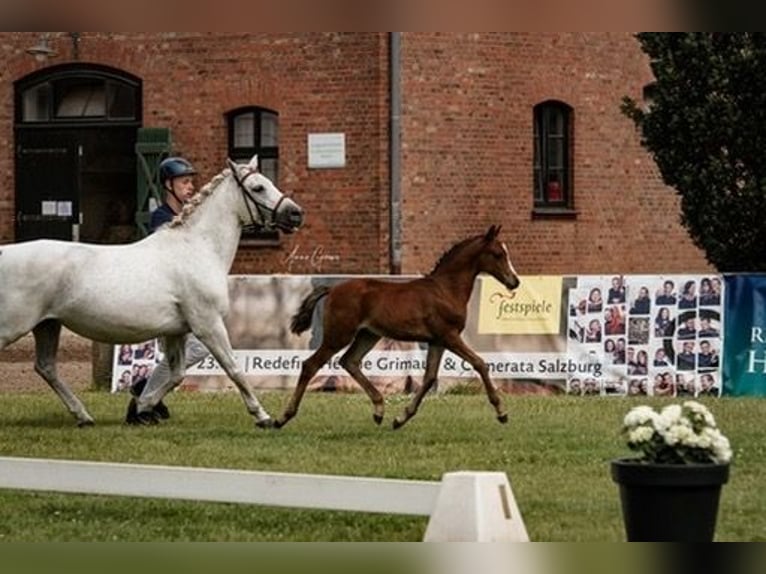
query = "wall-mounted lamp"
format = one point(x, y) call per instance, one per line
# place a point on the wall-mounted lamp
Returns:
point(75, 37)
point(41, 51)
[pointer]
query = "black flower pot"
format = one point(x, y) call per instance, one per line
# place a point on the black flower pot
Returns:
point(669, 502)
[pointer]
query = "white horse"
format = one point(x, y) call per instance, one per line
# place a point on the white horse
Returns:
point(165, 285)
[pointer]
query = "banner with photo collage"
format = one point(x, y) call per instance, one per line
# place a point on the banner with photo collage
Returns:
point(583, 335)
point(654, 335)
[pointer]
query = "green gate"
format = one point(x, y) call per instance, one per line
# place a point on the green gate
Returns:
point(152, 146)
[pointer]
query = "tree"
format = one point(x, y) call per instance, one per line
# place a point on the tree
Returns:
point(706, 129)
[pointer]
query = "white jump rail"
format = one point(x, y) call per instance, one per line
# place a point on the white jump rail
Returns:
point(468, 504)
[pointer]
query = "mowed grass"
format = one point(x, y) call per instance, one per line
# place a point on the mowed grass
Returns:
point(555, 450)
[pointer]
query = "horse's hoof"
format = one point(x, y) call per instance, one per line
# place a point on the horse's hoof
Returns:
point(397, 424)
point(85, 423)
point(503, 418)
point(377, 418)
point(266, 423)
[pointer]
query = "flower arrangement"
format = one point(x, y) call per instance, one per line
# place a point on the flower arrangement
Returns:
point(679, 434)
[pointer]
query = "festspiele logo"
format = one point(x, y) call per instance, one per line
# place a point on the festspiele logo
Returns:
point(507, 308)
point(533, 308)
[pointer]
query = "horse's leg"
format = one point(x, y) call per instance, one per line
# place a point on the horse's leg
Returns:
point(351, 359)
point(166, 376)
point(46, 346)
point(433, 361)
point(456, 344)
point(310, 367)
point(214, 336)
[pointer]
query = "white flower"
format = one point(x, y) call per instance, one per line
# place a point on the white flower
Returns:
point(679, 434)
point(721, 449)
point(641, 434)
point(669, 416)
point(700, 411)
point(640, 416)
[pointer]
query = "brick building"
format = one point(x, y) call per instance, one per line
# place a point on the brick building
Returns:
point(442, 135)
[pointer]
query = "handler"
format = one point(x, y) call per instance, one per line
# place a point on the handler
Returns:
point(177, 179)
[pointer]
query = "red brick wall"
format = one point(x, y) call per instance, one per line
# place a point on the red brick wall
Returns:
point(468, 103)
point(467, 140)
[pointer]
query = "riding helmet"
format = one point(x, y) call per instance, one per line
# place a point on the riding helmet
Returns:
point(173, 167)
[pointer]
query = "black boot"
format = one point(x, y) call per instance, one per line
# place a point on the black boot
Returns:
point(133, 417)
point(161, 410)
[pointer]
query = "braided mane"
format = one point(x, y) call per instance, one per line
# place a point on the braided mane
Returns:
point(199, 198)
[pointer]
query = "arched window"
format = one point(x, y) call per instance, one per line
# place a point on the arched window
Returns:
point(254, 130)
point(81, 94)
point(552, 145)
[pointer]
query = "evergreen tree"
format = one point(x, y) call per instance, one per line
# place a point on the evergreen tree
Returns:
point(706, 128)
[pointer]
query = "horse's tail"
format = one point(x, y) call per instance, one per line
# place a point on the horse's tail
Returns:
point(301, 321)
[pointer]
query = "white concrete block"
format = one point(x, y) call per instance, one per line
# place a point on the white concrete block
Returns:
point(475, 507)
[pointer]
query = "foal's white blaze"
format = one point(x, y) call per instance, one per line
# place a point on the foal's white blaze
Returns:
point(508, 259)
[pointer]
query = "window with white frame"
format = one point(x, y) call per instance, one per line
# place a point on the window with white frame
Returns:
point(254, 130)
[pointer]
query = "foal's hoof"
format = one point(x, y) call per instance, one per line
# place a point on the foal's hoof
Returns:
point(377, 418)
point(266, 423)
point(397, 424)
point(503, 418)
point(85, 423)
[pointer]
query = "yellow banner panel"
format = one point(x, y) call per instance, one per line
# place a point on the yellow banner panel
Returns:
point(532, 309)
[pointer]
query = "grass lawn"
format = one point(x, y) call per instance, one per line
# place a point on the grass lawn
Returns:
point(555, 451)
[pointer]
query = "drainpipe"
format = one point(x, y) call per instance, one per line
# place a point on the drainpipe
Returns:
point(395, 155)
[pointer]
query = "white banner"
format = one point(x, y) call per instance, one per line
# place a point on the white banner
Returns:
point(545, 366)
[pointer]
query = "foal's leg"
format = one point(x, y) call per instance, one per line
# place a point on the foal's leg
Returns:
point(433, 360)
point(212, 333)
point(46, 346)
point(351, 359)
point(308, 370)
point(456, 344)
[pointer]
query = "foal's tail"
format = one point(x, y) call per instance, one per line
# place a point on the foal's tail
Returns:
point(301, 321)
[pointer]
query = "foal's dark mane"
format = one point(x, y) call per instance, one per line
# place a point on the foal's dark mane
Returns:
point(448, 255)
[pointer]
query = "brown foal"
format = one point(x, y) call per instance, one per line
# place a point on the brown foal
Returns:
point(431, 309)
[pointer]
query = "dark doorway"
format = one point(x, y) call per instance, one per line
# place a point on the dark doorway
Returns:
point(108, 185)
point(47, 190)
point(76, 130)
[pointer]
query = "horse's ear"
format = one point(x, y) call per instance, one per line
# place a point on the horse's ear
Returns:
point(492, 232)
point(231, 164)
point(253, 164)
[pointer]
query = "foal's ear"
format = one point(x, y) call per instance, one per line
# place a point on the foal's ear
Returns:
point(492, 233)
